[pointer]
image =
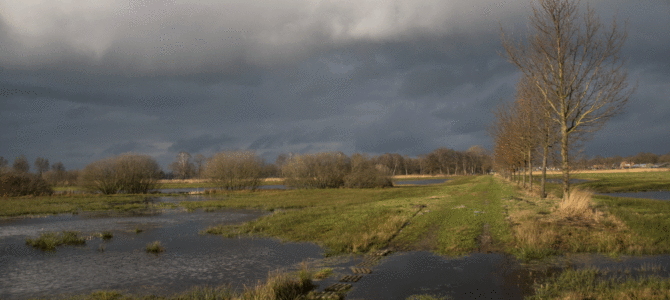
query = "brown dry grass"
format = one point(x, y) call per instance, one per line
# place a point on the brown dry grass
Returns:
point(545, 227)
point(635, 170)
point(578, 204)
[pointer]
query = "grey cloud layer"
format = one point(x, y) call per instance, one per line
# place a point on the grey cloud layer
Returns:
point(80, 81)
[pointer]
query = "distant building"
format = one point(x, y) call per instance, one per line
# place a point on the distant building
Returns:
point(626, 164)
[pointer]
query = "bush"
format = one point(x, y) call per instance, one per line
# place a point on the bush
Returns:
point(14, 184)
point(132, 173)
point(367, 175)
point(235, 170)
point(320, 170)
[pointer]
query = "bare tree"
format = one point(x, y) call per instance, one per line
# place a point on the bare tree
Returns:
point(132, 173)
point(41, 165)
point(4, 164)
point(21, 164)
point(235, 170)
point(182, 166)
point(200, 161)
point(575, 64)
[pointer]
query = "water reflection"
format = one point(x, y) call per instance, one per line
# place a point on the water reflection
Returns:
point(658, 195)
point(190, 258)
point(477, 276)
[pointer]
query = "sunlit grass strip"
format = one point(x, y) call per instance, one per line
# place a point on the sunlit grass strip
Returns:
point(48, 241)
point(45, 205)
point(593, 284)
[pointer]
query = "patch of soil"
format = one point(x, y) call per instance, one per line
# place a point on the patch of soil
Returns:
point(484, 240)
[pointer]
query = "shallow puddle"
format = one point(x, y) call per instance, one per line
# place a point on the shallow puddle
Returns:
point(477, 276)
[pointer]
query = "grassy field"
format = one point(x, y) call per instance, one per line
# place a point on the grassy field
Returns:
point(44, 205)
point(603, 284)
point(464, 215)
point(615, 182)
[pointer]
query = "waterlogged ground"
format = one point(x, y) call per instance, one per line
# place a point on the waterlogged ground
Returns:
point(190, 259)
point(467, 218)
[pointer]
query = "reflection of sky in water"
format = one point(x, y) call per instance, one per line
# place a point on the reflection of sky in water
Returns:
point(190, 258)
point(477, 276)
point(658, 195)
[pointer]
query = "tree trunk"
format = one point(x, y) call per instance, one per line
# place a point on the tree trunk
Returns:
point(566, 164)
point(523, 175)
point(530, 169)
point(544, 171)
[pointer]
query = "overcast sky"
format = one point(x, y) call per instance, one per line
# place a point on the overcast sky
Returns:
point(83, 80)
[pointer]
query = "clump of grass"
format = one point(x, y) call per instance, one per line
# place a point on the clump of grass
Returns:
point(323, 273)
point(155, 247)
point(577, 204)
point(105, 235)
point(595, 284)
point(50, 240)
point(138, 230)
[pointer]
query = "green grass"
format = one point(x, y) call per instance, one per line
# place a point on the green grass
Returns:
point(454, 218)
point(48, 241)
point(155, 247)
point(626, 182)
point(648, 219)
point(44, 205)
point(614, 182)
point(361, 220)
point(323, 273)
point(598, 284)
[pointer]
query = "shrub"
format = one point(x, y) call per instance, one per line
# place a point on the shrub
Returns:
point(132, 173)
point(320, 170)
point(365, 174)
point(14, 184)
point(235, 170)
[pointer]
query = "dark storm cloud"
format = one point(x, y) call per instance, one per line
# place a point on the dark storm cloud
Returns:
point(159, 77)
point(119, 148)
point(202, 142)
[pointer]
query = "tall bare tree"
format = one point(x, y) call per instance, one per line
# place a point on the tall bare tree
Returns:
point(182, 167)
point(41, 165)
point(575, 65)
point(21, 164)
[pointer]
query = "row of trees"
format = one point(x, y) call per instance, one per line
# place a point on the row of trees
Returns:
point(442, 161)
point(572, 82)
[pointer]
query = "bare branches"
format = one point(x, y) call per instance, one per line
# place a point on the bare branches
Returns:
point(574, 64)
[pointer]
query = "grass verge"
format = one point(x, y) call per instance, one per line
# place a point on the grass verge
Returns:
point(597, 284)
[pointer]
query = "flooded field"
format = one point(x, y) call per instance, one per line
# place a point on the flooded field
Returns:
point(190, 259)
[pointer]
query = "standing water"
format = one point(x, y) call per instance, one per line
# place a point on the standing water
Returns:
point(190, 258)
